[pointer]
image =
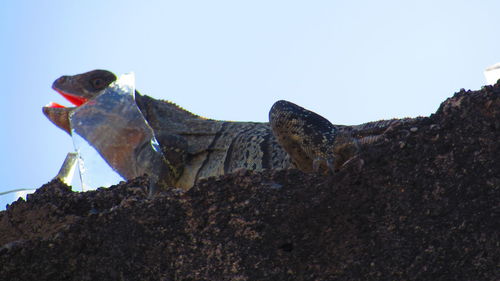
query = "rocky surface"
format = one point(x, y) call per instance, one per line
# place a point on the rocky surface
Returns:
point(421, 205)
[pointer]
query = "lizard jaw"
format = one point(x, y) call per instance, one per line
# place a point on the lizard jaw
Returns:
point(59, 114)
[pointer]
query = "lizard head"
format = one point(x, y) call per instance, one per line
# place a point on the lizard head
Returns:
point(77, 89)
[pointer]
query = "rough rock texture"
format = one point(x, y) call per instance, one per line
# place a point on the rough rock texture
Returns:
point(421, 205)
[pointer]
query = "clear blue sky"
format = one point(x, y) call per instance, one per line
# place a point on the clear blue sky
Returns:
point(351, 61)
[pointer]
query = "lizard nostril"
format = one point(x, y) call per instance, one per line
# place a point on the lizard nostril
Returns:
point(62, 79)
point(59, 81)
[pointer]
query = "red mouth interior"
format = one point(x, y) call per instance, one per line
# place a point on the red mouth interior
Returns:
point(54, 104)
point(75, 100)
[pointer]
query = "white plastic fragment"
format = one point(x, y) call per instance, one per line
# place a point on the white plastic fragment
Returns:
point(492, 74)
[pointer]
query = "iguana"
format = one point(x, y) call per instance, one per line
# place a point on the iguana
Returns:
point(197, 147)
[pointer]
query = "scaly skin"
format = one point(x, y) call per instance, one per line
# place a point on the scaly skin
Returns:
point(194, 146)
point(197, 148)
point(315, 144)
point(312, 141)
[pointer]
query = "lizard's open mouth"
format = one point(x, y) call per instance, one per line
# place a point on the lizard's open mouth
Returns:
point(59, 114)
point(75, 100)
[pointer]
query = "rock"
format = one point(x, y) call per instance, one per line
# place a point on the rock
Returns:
point(425, 210)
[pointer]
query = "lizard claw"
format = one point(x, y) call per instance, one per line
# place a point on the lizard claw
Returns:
point(330, 164)
point(355, 161)
point(316, 164)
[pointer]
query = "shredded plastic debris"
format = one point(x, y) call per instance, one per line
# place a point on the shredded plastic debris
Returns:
point(110, 134)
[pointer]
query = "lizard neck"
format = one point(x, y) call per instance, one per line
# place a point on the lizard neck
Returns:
point(150, 106)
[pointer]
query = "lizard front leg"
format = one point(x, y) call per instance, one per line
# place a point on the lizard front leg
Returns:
point(313, 143)
point(174, 149)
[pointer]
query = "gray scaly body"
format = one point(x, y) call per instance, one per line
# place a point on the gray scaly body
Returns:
point(197, 148)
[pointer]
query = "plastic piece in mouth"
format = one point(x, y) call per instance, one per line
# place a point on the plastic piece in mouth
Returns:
point(111, 135)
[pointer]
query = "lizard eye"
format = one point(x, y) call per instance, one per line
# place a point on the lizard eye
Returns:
point(98, 83)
